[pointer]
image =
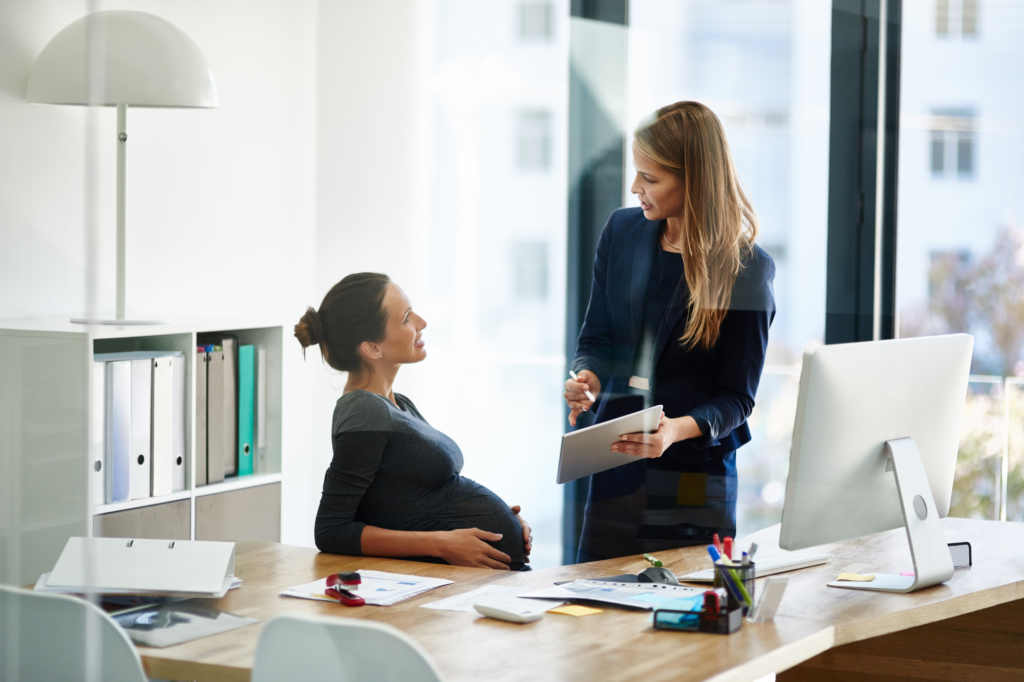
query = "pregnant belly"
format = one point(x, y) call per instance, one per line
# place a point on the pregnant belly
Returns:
point(471, 505)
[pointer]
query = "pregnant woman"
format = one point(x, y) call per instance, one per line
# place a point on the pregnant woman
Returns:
point(393, 488)
point(679, 314)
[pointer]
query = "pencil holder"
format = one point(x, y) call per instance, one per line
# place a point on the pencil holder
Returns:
point(738, 581)
point(722, 623)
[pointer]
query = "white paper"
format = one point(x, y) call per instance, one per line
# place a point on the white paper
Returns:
point(635, 595)
point(464, 602)
point(377, 588)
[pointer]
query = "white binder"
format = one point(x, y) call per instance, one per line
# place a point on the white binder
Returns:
point(118, 421)
point(97, 434)
point(202, 372)
point(162, 471)
point(126, 566)
point(178, 426)
point(121, 446)
point(140, 464)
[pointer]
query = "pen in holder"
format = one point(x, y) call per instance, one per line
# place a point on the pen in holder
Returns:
point(738, 581)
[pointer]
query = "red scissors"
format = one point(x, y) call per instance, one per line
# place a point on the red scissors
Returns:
point(341, 587)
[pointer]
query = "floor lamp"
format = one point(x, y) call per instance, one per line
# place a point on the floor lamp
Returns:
point(122, 58)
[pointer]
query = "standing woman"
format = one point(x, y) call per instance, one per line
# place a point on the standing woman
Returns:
point(679, 313)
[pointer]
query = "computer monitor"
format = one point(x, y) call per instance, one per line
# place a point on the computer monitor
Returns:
point(875, 442)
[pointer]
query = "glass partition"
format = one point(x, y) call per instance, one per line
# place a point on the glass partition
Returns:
point(763, 67)
point(960, 247)
point(490, 246)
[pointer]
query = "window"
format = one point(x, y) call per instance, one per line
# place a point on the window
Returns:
point(763, 68)
point(534, 151)
point(952, 144)
point(485, 256)
point(960, 247)
point(535, 21)
point(530, 268)
point(956, 18)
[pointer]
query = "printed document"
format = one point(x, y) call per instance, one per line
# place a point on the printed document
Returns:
point(464, 602)
point(377, 588)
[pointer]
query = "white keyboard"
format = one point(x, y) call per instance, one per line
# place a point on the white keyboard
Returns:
point(779, 563)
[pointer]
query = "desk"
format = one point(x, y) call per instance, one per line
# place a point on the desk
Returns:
point(968, 628)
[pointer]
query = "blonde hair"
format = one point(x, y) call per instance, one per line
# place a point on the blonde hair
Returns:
point(719, 223)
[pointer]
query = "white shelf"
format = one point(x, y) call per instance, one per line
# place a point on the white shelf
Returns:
point(63, 326)
point(144, 502)
point(233, 483)
point(238, 483)
point(43, 358)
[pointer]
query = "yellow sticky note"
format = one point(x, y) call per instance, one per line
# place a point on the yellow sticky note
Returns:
point(692, 490)
point(575, 610)
point(856, 577)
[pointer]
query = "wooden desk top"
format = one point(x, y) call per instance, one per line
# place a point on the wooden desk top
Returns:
point(619, 643)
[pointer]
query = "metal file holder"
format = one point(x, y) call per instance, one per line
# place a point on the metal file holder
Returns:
point(746, 574)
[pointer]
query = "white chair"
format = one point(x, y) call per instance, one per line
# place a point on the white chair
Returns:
point(57, 638)
point(321, 649)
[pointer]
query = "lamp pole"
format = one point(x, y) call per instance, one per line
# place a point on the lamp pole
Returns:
point(122, 149)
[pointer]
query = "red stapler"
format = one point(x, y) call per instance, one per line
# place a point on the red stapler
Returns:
point(341, 587)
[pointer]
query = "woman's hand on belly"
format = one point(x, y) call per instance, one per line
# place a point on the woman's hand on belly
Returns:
point(653, 445)
point(467, 547)
point(527, 531)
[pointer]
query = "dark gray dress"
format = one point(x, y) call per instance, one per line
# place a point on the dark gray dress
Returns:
point(392, 470)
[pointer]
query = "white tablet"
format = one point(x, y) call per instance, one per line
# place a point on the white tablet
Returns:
point(589, 450)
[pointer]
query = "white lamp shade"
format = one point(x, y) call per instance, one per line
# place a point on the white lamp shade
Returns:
point(146, 62)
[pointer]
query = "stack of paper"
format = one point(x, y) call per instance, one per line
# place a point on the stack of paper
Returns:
point(636, 595)
point(378, 588)
point(464, 602)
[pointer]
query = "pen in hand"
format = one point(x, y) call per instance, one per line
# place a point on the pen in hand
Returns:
point(590, 396)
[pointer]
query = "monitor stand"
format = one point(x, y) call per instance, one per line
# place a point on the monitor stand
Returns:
point(933, 564)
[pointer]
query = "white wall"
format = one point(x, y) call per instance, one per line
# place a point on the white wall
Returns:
point(221, 203)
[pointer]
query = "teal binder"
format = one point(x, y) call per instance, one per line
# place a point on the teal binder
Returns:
point(246, 407)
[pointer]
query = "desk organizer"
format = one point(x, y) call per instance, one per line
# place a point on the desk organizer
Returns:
point(727, 577)
point(722, 623)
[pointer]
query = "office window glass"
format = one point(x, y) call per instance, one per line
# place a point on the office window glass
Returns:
point(535, 21)
point(534, 140)
point(942, 17)
point(969, 17)
point(960, 251)
point(956, 18)
point(763, 67)
point(951, 154)
point(530, 271)
point(489, 246)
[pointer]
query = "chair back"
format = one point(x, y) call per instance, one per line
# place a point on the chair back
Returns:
point(296, 648)
point(57, 638)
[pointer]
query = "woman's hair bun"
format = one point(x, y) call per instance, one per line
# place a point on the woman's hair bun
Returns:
point(310, 330)
point(352, 312)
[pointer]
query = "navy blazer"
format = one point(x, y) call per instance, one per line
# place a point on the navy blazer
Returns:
point(715, 386)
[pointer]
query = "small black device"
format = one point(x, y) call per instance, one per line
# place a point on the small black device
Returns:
point(657, 574)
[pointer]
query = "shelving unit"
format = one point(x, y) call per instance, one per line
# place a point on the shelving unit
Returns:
point(45, 431)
